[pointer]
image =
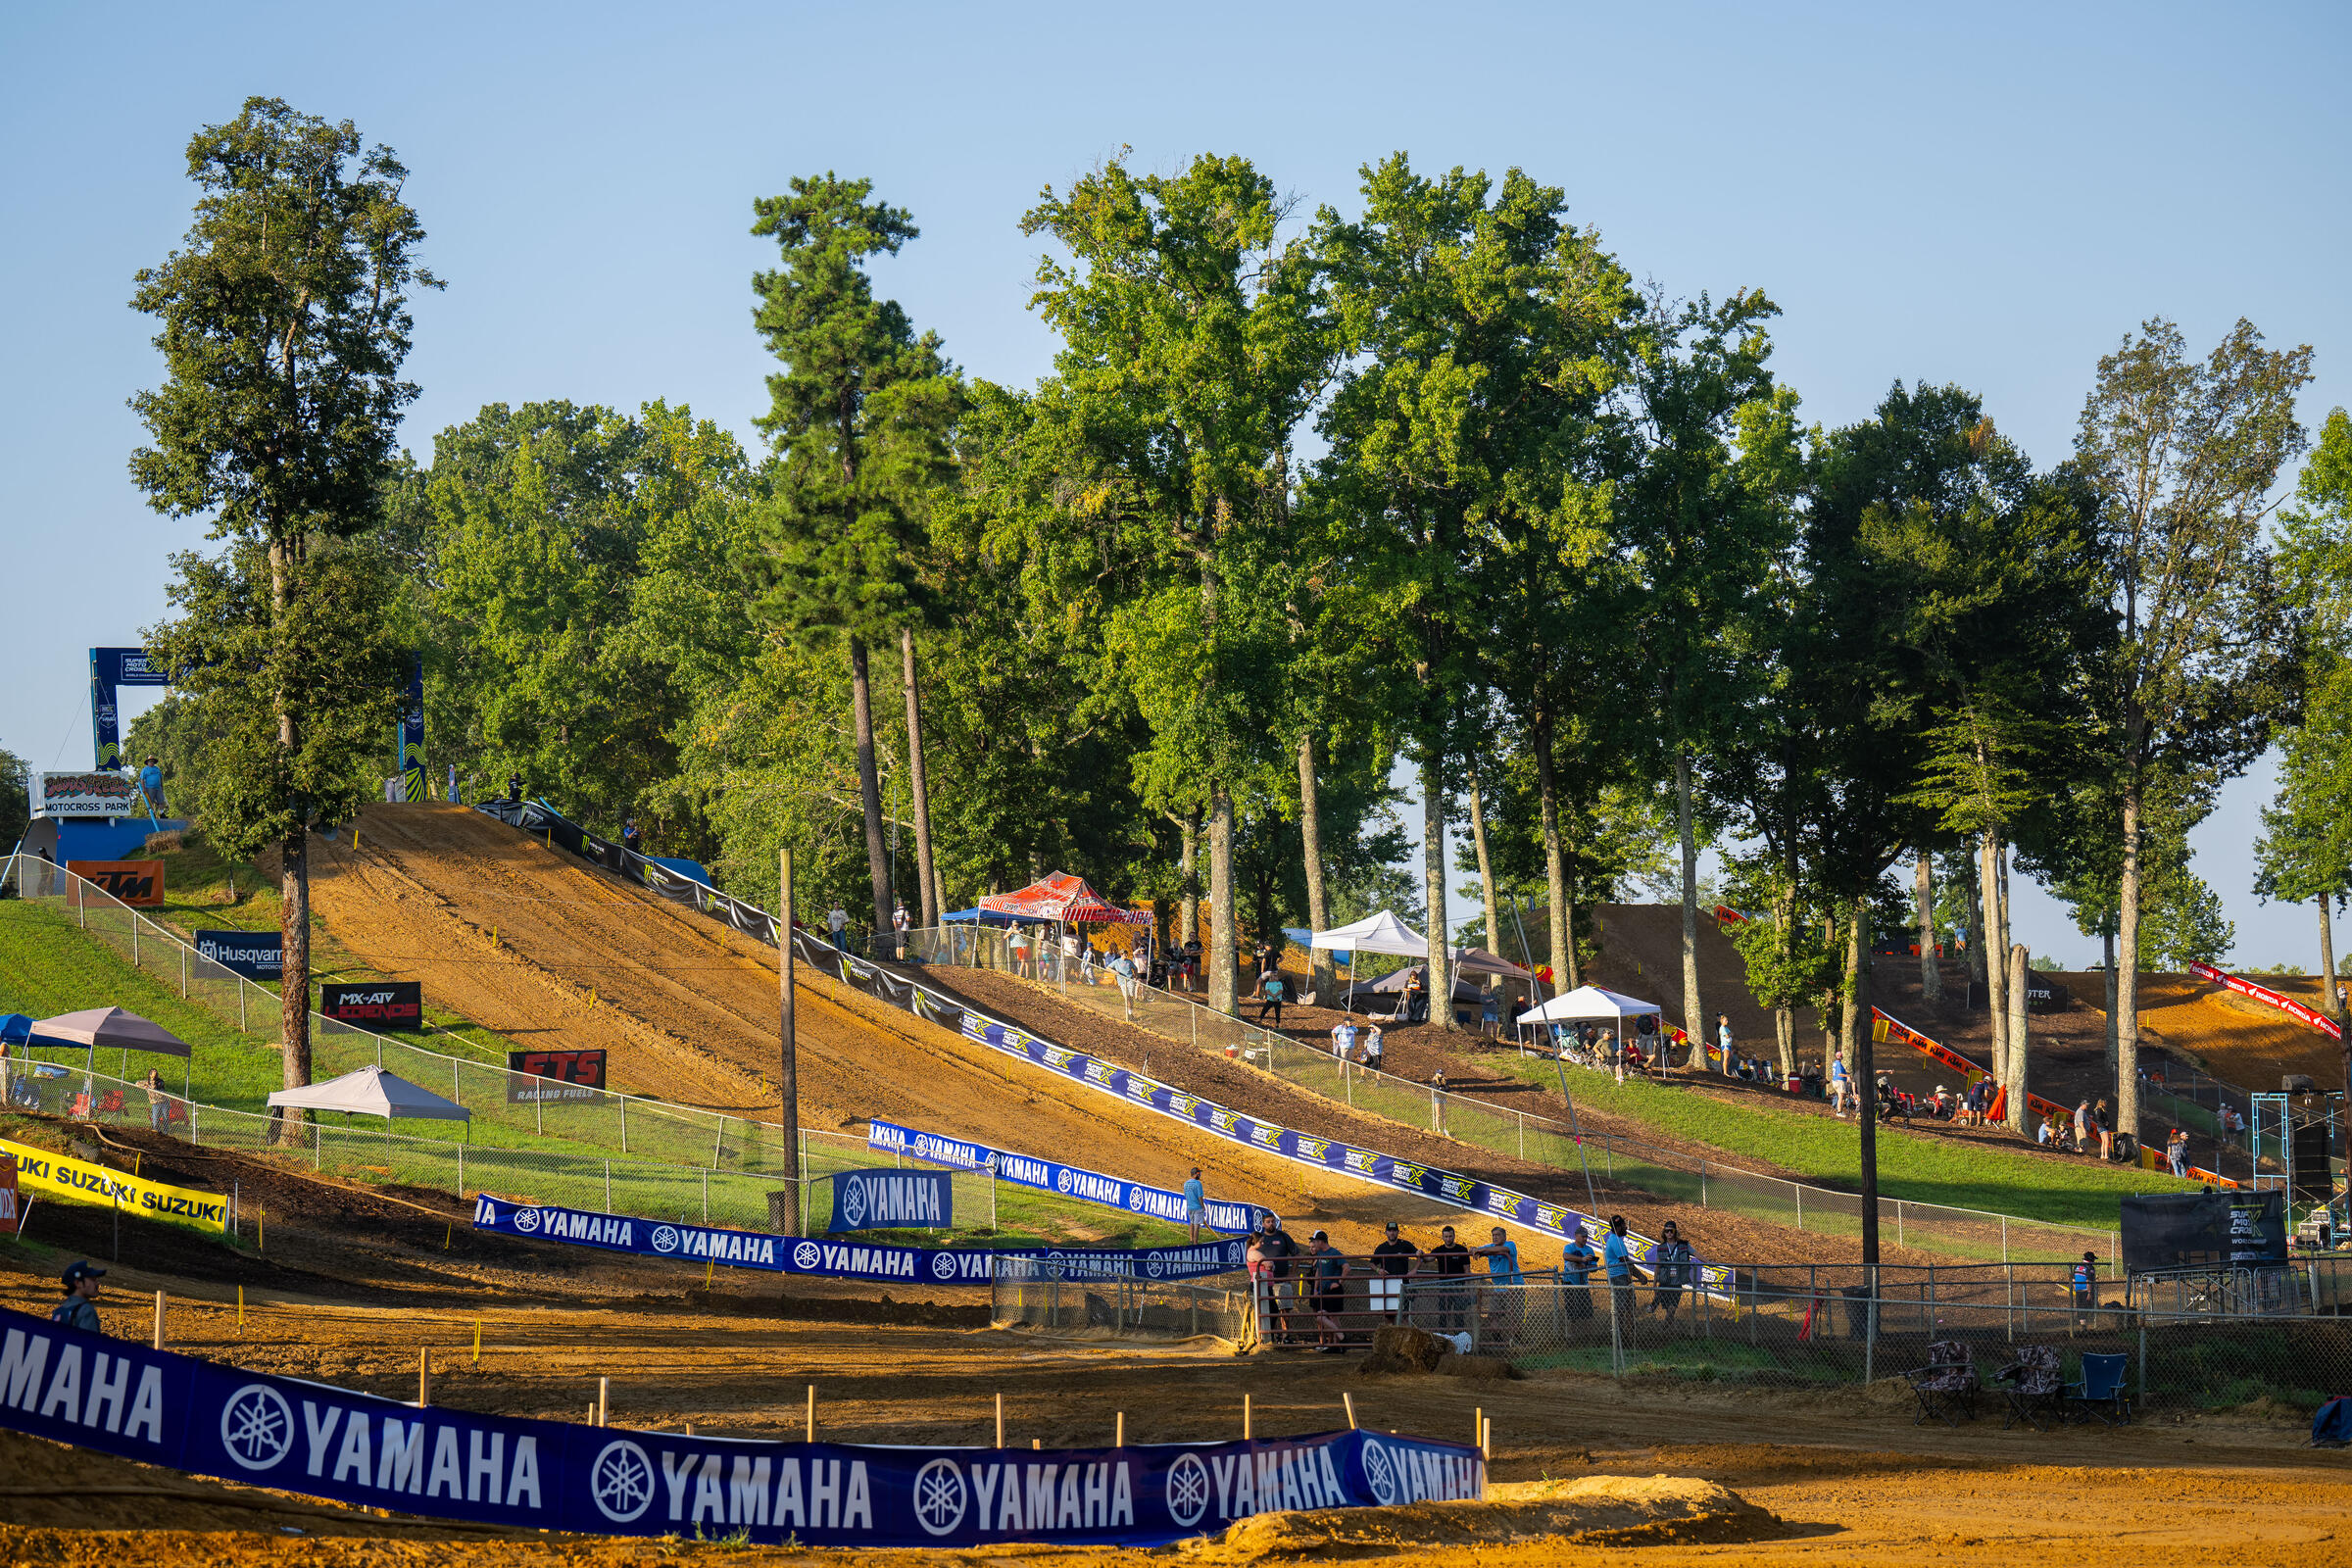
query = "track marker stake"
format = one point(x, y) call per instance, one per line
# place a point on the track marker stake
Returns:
point(1348, 1399)
point(1037, 1443)
point(604, 1401)
point(424, 1376)
point(159, 1320)
point(709, 1263)
point(240, 1306)
point(1244, 1418)
point(447, 1232)
point(999, 1420)
point(812, 1413)
point(477, 1341)
point(1120, 1441)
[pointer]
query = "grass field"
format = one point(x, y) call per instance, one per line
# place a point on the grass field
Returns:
point(1827, 1151)
point(49, 967)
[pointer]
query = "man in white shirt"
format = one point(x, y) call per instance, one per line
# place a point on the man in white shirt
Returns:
point(838, 919)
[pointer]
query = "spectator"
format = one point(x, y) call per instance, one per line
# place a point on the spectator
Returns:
point(1503, 1280)
point(2049, 1130)
point(837, 920)
point(1274, 1247)
point(1723, 1040)
point(1070, 953)
point(2104, 1120)
point(1272, 989)
point(159, 1103)
point(1575, 1276)
point(1414, 1008)
point(1672, 1272)
point(513, 789)
point(1394, 1262)
point(899, 925)
point(2176, 1150)
point(1452, 1260)
point(1343, 1039)
point(1191, 965)
point(1838, 1083)
point(1943, 1103)
point(631, 839)
point(2083, 1124)
point(76, 1311)
point(1122, 970)
point(1372, 1046)
point(1617, 1262)
point(1328, 1288)
point(2084, 1281)
point(151, 785)
point(1195, 1203)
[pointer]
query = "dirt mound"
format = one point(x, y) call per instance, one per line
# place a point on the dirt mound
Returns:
point(1399, 1347)
point(1596, 1510)
point(2235, 1037)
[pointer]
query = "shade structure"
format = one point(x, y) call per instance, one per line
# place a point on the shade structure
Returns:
point(1062, 896)
point(1393, 985)
point(107, 1029)
point(1374, 932)
point(373, 1092)
point(1587, 1004)
point(1478, 961)
point(977, 916)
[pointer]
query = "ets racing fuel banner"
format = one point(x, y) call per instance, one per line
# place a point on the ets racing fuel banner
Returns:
point(1051, 1176)
point(163, 1409)
point(555, 1077)
point(847, 1261)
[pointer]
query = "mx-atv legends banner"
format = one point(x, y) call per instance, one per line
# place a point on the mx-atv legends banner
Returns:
point(377, 1005)
point(162, 1408)
point(850, 1260)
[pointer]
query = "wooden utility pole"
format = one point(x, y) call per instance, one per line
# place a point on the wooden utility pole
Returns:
point(788, 1085)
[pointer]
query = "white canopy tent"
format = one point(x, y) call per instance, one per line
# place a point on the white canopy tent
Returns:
point(370, 1091)
point(1374, 932)
point(1587, 1004)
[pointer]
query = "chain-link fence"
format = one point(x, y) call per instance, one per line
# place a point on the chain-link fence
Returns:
point(1963, 1233)
point(1043, 1296)
point(629, 1125)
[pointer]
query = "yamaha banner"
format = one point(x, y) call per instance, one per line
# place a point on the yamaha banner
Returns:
point(1046, 1175)
point(847, 1261)
point(255, 954)
point(162, 1408)
point(892, 1201)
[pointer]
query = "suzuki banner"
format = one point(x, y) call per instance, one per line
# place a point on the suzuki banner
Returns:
point(159, 1407)
point(845, 1260)
point(892, 1201)
point(1046, 1175)
point(84, 1182)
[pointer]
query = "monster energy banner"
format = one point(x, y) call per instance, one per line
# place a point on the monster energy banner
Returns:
point(1362, 1164)
point(847, 1261)
point(408, 737)
point(1046, 1175)
point(162, 1408)
point(893, 1201)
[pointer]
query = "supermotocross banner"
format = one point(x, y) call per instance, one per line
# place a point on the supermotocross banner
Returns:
point(1051, 1176)
point(847, 1261)
point(162, 1408)
point(2264, 993)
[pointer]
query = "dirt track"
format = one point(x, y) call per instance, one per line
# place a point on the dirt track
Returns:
point(688, 1009)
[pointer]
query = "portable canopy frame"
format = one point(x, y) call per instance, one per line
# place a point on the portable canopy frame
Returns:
point(1587, 1004)
point(370, 1091)
point(1062, 896)
point(108, 1028)
point(1374, 932)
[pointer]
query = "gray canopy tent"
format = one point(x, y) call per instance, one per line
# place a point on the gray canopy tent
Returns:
point(371, 1091)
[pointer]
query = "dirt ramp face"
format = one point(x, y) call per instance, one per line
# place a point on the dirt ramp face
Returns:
point(542, 947)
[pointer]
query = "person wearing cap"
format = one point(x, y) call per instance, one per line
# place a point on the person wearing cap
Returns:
point(1575, 1276)
point(1195, 1203)
point(1503, 1278)
point(76, 1311)
point(1326, 1285)
point(2085, 1283)
point(1394, 1262)
point(1452, 1260)
point(1270, 1253)
point(1617, 1261)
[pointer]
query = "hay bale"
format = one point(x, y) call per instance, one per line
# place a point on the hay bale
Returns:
point(1401, 1347)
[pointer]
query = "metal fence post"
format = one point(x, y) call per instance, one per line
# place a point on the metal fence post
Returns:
point(705, 1197)
point(2004, 1237)
point(624, 1122)
point(2144, 1358)
point(1801, 1204)
point(719, 1143)
point(461, 1170)
point(608, 1187)
point(183, 975)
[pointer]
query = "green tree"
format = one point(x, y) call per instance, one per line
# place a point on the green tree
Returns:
point(283, 324)
point(15, 796)
point(859, 418)
point(2183, 455)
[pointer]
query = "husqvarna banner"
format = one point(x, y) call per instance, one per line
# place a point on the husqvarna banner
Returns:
point(1051, 1176)
point(162, 1408)
point(892, 1201)
point(847, 1261)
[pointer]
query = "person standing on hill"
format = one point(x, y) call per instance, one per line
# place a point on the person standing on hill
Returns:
point(1723, 1040)
point(2102, 1122)
point(1617, 1261)
point(1324, 1281)
point(1122, 970)
point(837, 920)
point(513, 789)
point(1838, 1084)
point(151, 785)
point(1577, 1260)
point(77, 1310)
point(1195, 1203)
point(632, 837)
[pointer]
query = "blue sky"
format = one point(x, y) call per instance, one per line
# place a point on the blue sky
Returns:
point(1990, 194)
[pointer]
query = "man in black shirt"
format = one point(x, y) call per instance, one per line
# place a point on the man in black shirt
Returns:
point(1392, 1264)
point(1273, 1244)
point(1453, 1261)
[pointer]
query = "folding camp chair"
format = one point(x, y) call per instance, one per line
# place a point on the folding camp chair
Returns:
point(2101, 1394)
point(1947, 1385)
point(2036, 1388)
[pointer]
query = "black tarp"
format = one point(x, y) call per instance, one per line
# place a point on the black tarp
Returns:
point(2174, 1230)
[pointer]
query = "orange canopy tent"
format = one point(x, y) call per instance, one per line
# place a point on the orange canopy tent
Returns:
point(1064, 896)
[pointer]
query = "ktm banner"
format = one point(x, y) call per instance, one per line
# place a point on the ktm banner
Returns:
point(137, 883)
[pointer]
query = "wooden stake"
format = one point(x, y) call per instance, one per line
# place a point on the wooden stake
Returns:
point(709, 1263)
point(261, 1230)
point(1120, 1441)
point(604, 1401)
point(159, 1320)
point(447, 1231)
point(690, 1428)
point(1478, 1427)
point(240, 1306)
point(999, 1420)
point(477, 1341)
point(812, 1413)
point(1244, 1418)
point(592, 1412)
point(1348, 1399)
point(1485, 1439)
point(424, 1376)
point(1037, 1443)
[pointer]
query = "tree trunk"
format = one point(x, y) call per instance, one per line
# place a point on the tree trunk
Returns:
point(1310, 833)
point(1784, 1034)
point(1433, 879)
point(1486, 871)
point(1930, 974)
point(1188, 911)
point(294, 943)
point(1556, 865)
point(926, 873)
point(2107, 939)
point(2327, 993)
point(2126, 974)
point(1996, 972)
point(1858, 1052)
point(1976, 920)
point(2014, 1081)
point(1694, 1018)
point(870, 788)
point(1223, 955)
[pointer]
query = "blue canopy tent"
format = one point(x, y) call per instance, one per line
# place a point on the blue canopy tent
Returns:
point(985, 918)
